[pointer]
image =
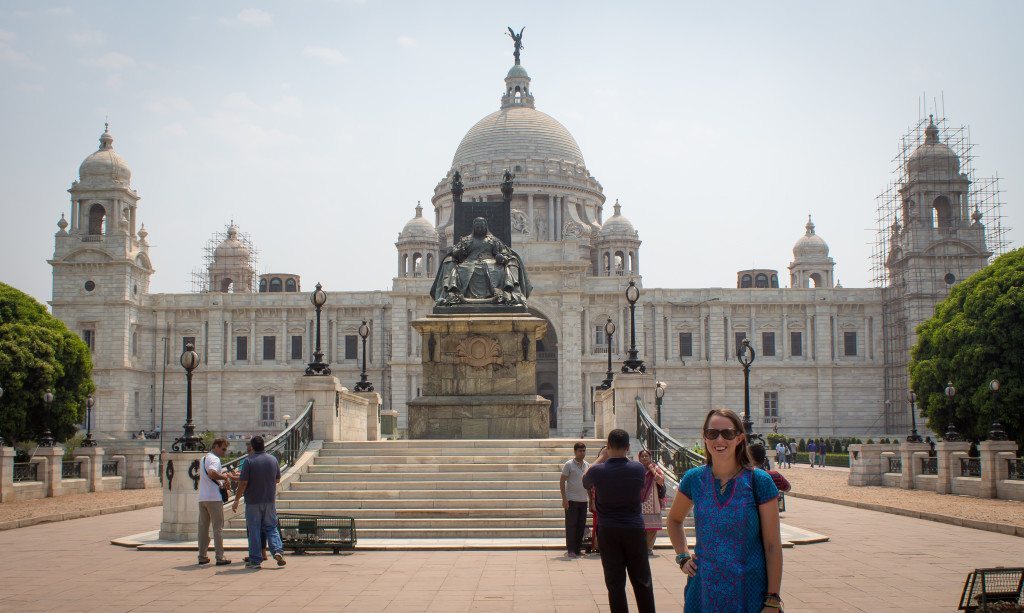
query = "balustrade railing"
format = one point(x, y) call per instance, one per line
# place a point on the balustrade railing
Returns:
point(71, 470)
point(895, 465)
point(109, 468)
point(1015, 468)
point(26, 471)
point(669, 453)
point(970, 467)
point(287, 446)
point(929, 466)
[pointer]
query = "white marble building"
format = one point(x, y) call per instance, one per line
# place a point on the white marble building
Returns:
point(825, 365)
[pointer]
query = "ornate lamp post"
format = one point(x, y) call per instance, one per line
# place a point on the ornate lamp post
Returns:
point(997, 433)
point(659, 396)
point(47, 438)
point(189, 441)
point(632, 363)
point(89, 440)
point(746, 355)
point(318, 366)
point(914, 436)
point(951, 433)
point(609, 331)
point(363, 385)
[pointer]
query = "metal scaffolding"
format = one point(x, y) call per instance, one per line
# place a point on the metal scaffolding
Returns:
point(200, 277)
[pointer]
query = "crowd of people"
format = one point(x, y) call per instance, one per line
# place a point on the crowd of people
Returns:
point(256, 482)
point(736, 564)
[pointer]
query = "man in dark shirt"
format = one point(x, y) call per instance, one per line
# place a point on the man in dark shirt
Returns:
point(258, 483)
point(618, 482)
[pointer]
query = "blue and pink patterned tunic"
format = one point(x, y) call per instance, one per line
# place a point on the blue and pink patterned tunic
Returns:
point(731, 574)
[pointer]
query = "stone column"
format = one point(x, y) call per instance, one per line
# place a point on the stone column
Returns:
point(6, 474)
point(551, 218)
point(372, 414)
point(627, 387)
point(530, 216)
point(323, 391)
point(181, 495)
point(52, 457)
point(93, 472)
point(944, 451)
point(993, 465)
point(142, 467)
point(604, 412)
point(866, 464)
point(910, 466)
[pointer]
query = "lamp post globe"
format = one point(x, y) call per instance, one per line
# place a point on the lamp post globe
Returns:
point(609, 331)
point(659, 396)
point(632, 362)
point(364, 384)
point(746, 355)
point(914, 436)
point(189, 360)
point(89, 440)
point(46, 440)
point(951, 433)
point(996, 433)
point(318, 366)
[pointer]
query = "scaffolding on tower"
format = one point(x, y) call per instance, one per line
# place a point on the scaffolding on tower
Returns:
point(984, 204)
point(200, 277)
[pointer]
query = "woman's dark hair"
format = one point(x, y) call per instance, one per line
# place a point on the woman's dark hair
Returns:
point(618, 439)
point(759, 455)
point(257, 443)
point(742, 449)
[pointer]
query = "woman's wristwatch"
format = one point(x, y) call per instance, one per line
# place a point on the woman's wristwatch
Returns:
point(772, 601)
point(682, 558)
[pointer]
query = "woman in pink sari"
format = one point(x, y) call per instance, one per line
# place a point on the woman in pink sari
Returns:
point(652, 498)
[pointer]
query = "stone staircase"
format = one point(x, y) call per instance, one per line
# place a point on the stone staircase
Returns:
point(432, 489)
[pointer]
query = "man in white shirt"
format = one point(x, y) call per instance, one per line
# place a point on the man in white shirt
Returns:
point(212, 479)
point(780, 454)
point(792, 453)
point(575, 499)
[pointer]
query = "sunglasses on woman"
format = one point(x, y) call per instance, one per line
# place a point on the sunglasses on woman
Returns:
point(726, 433)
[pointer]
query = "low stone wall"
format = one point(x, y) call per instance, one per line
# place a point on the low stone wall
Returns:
point(51, 482)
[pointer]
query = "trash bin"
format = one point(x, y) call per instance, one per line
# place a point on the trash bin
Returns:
point(388, 423)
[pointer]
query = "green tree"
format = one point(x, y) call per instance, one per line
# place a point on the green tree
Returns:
point(976, 335)
point(38, 352)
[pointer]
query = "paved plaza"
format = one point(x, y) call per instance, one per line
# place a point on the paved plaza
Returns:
point(873, 562)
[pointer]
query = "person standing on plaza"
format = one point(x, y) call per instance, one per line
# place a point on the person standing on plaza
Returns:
point(812, 450)
point(258, 484)
point(575, 499)
point(652, 498)
point(821, 453)
point(780, 454)
point(618, 483)
point(737, 563)
point(213, 481)
point(791, 457)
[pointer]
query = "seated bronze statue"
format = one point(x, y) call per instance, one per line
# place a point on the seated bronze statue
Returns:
point(481, 269)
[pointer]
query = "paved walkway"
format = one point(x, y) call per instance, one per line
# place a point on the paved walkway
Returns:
point(873, 562)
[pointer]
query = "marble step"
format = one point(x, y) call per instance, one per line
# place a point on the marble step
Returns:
point(552, 462)
point(470, 519)
point(432, 468)
point(402, 494)
point(431, 481)
point(511, 513)
point(558, 455)
point(426, 503)
point(439, 533)
point(428, 486)
point(540, 443)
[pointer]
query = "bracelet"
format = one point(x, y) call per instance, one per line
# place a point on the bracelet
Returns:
point(682, 558)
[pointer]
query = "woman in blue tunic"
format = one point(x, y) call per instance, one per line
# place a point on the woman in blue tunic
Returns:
point(736, 566)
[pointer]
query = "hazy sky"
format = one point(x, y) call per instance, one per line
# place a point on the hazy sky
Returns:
point(316, 125)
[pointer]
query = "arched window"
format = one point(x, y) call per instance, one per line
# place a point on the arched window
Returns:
point(620, 262)
point(275, 284)
point(746, 281)
point(227, 285)
point(417, 265)
point(263, 286)
point(943, 212)
point(403, 266)
point(775, 280)
point(430, 263)
point(289, 286)
point(632, 262)
point(607, 264)
point(96, 215)
point(761, 280)
point(816, 279)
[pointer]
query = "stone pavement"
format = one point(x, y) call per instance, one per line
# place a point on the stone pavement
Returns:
point(873, 562)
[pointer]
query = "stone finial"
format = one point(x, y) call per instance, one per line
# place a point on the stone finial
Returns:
point(63, 225)
point(931, 133)
point(976, 216)
point(810, 225)
point(106, 140)
point(618, 207)
point(419, 209)
point(143, 234)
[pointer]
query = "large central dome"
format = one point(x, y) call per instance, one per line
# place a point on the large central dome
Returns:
point(517, 133)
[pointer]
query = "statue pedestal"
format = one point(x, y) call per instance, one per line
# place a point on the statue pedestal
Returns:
point(479, 378)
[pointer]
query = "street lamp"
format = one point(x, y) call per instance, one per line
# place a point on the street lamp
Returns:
point(951, 433)
point(363, 385)
point(997, 433)
point(746, 355)
point(318, 366)
point(914, 436)
point(89, 440)
point(189, 441)
point(47, 438)
point(659, 396)
point(632, 363)
point(609, 331)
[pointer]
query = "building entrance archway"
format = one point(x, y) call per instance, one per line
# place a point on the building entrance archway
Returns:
point(547, 369)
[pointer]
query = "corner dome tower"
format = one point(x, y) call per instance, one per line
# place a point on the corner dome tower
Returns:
point(104, 167)
point(418, 247)
point(811, 265)
point(617, 250)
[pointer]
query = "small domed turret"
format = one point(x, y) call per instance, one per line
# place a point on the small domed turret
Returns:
point(811, 264)
point(104, 168)
point(933, 159)
point(810, 246)
point(617, 226)
point(418, 228)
